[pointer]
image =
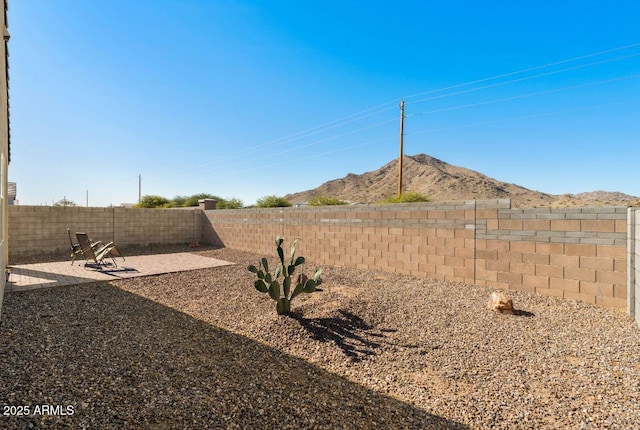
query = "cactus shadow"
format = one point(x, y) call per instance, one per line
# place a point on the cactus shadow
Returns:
point(356, 338)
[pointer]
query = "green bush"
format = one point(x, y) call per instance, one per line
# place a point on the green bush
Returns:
point(151, 201)
point(272, 202)
point(65, 202)
point(193, 200)
point(178, 201)
point(231, 203)
point(325, 201)
point(408, 197)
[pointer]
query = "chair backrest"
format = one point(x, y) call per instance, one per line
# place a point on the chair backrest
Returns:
point(83, 240)
point(70, 241)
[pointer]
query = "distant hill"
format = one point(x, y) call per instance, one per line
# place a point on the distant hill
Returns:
point(441, 181)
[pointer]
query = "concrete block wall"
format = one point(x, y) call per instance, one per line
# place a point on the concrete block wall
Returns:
point(633, 264)
point(418, 239)
point(43, 229)
point(576, 253)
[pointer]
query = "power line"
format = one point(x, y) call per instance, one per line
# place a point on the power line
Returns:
point(334, 137)
point(297, 136)
point(365, 113)
point(555, 72)
point(517, 72)
point(391, 139)
point(522, 96)
point(498, 121)
point(381, 108)
point(317, 155)
point(433, 130)
point(299, 147)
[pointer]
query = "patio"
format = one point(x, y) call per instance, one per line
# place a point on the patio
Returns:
point(56, 274)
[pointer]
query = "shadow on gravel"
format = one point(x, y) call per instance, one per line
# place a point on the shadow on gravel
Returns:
point(521, 313)
point(118, 360)
point(348, 331)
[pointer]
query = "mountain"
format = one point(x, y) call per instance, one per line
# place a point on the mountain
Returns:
point(441, 181)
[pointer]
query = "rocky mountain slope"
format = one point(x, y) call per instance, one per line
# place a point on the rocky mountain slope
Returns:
point(441, 181)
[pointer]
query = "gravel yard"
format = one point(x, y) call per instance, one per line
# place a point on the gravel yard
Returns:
point(204, 349)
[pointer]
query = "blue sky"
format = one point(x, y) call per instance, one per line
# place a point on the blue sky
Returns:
point(250, 98)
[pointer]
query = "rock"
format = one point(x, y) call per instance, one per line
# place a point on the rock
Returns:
point(501, 303)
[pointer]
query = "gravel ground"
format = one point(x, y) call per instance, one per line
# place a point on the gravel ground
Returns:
point(204, 349)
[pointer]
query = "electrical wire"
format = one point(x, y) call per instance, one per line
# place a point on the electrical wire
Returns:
point(555, 72)
point(426, 131)
point(296, 148)
point(531, 116)
point(365, 113)
point(384, 107)
point(351, 132)
point(530, 69)
point(539, 93)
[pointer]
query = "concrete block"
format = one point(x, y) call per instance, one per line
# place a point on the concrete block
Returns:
point(510, 278)
point(566, 210)
point(570, 285)
point(549, 292)
point(588, 275)
point(564, 240)
point(611, 302)
point(600, 210)
point(611, 216)
point(507, 237)
point(596, 263)
point(535, 281)
point(551, 216)
point(597, 241)
point(588, 298)
point(535, 239)
point(607, 277)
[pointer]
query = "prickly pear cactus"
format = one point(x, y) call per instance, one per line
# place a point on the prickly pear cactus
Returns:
point(282, 285)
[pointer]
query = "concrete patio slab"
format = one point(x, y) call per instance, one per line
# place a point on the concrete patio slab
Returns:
point(45, 275)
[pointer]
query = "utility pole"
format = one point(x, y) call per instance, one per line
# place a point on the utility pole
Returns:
point(139, 188)
point(87, 198)
point(401, 149)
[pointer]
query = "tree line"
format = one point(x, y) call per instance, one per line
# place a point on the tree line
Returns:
point(153, 201)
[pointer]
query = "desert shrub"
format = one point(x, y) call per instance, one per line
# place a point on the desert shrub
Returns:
point(64, 202)
point(231, 203)
point(325, 201)
point(178, 201)
point(151, 201)
point(193, 200)
point(408, 197)
point(272, 202)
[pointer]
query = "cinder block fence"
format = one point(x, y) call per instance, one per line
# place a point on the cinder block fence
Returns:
point(577, 253)
point(586, 254)
point(633, 263)
point(43, 229)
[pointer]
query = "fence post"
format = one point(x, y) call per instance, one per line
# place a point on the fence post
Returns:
point(631, 262)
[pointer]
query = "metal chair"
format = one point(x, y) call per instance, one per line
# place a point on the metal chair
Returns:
point(97, 251)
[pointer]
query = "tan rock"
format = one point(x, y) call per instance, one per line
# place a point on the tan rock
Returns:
point(501, 303)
